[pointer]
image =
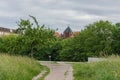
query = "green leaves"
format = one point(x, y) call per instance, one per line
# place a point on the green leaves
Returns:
point(97, 39)
point(34, 40)
point(116, 39)
point(36, 37)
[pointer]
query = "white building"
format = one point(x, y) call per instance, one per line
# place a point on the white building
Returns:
point(5, 31)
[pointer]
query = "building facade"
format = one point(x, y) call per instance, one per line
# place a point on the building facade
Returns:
point(68, 33)
point(6, 31)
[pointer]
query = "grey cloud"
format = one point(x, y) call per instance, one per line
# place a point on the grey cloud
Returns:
point(59, 13)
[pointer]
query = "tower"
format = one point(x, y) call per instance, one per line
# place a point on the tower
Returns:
point(67, 33)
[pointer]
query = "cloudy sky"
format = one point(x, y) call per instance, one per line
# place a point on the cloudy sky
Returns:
point(59, 13)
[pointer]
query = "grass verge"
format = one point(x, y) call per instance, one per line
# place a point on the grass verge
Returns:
point(105, 70)
point(46, 73)
point(18, 68)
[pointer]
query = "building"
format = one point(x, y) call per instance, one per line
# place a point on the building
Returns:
point(68, 33)
point(56, 34)
point(6, 31)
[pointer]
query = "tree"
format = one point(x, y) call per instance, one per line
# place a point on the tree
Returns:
point(72, 50)
point(94, 40)
point(99, 37)
point(116, 39)
point(34, 40)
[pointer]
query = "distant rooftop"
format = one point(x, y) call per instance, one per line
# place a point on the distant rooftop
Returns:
point(68, 29)
point(2, 29)
point(56, 34)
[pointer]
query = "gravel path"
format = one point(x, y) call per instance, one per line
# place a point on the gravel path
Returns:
point(59, 71)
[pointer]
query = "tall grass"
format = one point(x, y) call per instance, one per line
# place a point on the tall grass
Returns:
point(105, 70)
point(18, 68)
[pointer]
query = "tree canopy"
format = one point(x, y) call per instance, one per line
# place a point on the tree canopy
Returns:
point(98, 39)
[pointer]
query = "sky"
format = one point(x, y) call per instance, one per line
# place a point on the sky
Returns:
point(58, 14)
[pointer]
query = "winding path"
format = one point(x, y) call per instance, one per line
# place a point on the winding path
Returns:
point(59, 71)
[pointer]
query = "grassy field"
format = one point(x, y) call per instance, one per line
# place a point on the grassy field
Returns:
point(18, 68)
point(105, 70)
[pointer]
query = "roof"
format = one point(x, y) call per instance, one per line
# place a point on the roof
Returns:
point(2, 29)
point(56, 34)
point(76, 33)
point(68, 29)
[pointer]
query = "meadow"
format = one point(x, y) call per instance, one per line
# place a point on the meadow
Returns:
point(104, 70)
point(18, 68)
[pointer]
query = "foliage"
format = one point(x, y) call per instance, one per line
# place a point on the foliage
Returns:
point(106, 35)
point(116, 39)
point(7, 43)
point(37, 40)
point(33, 40)
point(71, 51)
point(97, 39)
point(55, 50)
point(18, 68)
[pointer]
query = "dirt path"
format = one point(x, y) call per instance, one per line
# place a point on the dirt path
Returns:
point(59, 71)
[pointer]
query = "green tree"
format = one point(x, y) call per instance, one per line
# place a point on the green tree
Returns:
point(95, 40)
point(71, 51)
point(35, 39)
point(97, 37)
point(116, 39)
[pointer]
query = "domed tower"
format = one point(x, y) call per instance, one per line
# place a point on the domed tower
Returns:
point(67, 33)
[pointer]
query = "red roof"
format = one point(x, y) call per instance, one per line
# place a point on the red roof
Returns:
point(76, 33)
point(56, 34)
